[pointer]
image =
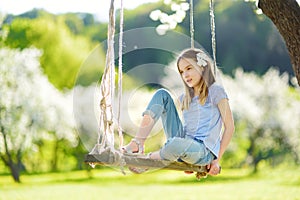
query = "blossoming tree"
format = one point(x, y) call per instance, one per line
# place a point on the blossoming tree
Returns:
point(266, 108)
point(31, 109)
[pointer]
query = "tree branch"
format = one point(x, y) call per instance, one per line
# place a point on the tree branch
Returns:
point(285, 14)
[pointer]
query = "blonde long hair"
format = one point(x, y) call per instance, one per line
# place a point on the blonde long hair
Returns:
point(208, 77)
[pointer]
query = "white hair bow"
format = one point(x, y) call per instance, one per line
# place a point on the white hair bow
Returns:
point(202, 59)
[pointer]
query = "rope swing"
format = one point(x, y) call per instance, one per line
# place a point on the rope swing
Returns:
point(213, 34)
point(120, 75)
point(107, 89)
point(104, 152)
point(105, 143)
point(212, 28)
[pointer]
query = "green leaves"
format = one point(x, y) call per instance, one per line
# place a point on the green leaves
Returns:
point(63, 52)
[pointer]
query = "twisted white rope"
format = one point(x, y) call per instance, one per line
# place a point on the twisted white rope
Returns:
point(192, 23)
point(213, 34)
point(106, 124)
point(107, 91)
point(212, 27)
point(120, 75)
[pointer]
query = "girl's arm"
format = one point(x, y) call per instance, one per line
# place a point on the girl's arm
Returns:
point(227, 119)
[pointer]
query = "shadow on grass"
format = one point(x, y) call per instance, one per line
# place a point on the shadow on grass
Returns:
point(210, 179)
point(113, 177)
point(157, 177)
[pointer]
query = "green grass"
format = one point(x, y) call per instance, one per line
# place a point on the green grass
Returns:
point(269, 184)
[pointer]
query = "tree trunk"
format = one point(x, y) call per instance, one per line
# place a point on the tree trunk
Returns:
point(55, 156)
point(285, 14)
point(15, 172)
point(8, 160)
point(13, 168)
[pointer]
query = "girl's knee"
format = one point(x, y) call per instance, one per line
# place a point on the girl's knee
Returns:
point(172, 150)
point(162, 93)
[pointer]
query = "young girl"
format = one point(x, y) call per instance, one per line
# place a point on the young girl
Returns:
point(207, 125)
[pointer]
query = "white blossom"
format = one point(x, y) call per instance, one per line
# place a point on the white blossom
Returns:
point(162, 29)
point(31, 107)
point(170, 21)
point(155, 15)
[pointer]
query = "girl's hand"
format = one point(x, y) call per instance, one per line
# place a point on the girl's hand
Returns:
point(214, 168)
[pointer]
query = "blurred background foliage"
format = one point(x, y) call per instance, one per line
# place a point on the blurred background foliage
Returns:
point(244, 40)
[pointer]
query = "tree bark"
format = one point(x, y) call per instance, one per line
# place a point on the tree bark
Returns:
point(15, 172)
point(285, 14)
point(8, 160)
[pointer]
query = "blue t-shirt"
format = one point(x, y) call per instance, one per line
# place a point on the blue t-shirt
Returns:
point(204, 122)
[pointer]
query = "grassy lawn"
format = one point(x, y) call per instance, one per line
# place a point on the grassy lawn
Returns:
point(271, 184)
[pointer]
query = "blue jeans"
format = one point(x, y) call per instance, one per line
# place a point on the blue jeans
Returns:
point(178, 145)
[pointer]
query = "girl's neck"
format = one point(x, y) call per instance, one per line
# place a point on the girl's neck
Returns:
point(196, 91)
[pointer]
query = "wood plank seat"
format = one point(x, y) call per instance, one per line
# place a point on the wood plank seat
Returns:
point(115, 158)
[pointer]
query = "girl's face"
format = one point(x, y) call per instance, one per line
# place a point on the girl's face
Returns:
point(189, 73)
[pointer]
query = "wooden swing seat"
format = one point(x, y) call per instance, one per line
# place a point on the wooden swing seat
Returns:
point(109, 158)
